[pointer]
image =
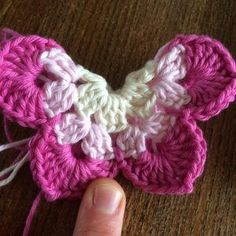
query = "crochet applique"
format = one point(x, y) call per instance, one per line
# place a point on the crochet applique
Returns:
point(85, 130)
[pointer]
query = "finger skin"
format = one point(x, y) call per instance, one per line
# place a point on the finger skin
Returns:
point(100, 214)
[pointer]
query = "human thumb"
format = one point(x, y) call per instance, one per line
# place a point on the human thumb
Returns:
point(102, 209)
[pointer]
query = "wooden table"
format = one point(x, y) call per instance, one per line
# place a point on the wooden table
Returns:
point(113, 38)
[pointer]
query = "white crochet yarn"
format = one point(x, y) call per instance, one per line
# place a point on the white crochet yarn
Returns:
point(111, 108)
point(99, 111)
point(9, 173)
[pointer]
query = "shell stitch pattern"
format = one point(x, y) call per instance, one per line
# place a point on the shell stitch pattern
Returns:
point(84, 130)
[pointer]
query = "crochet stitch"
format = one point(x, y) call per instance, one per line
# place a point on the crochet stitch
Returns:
point(147, 129)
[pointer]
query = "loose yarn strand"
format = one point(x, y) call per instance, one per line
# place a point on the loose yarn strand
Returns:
point(13, 145)
point(31, 214)
point(4, 172)
point(6, 130)
point(14, 168)
point(8, 133)
point(16, 165)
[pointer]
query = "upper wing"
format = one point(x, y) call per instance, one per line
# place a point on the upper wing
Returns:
point(210, 78)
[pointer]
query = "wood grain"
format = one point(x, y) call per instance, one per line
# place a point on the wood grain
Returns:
point(113, 38)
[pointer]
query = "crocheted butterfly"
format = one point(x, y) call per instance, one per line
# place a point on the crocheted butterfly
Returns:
point(85, 130)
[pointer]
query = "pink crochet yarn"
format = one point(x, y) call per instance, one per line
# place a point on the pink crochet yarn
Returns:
point(147, 129)
point(20, 88)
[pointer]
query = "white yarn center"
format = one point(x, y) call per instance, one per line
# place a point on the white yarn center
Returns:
point(99, 111)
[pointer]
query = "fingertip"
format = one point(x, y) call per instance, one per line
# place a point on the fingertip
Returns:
point(110, 183)
point(102, 209)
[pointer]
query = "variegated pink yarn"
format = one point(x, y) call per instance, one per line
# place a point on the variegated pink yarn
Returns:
point(85, 130)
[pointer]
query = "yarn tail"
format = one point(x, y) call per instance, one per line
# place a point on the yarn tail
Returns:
point(9, 134)
point(8, 174)
point(31, 214)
